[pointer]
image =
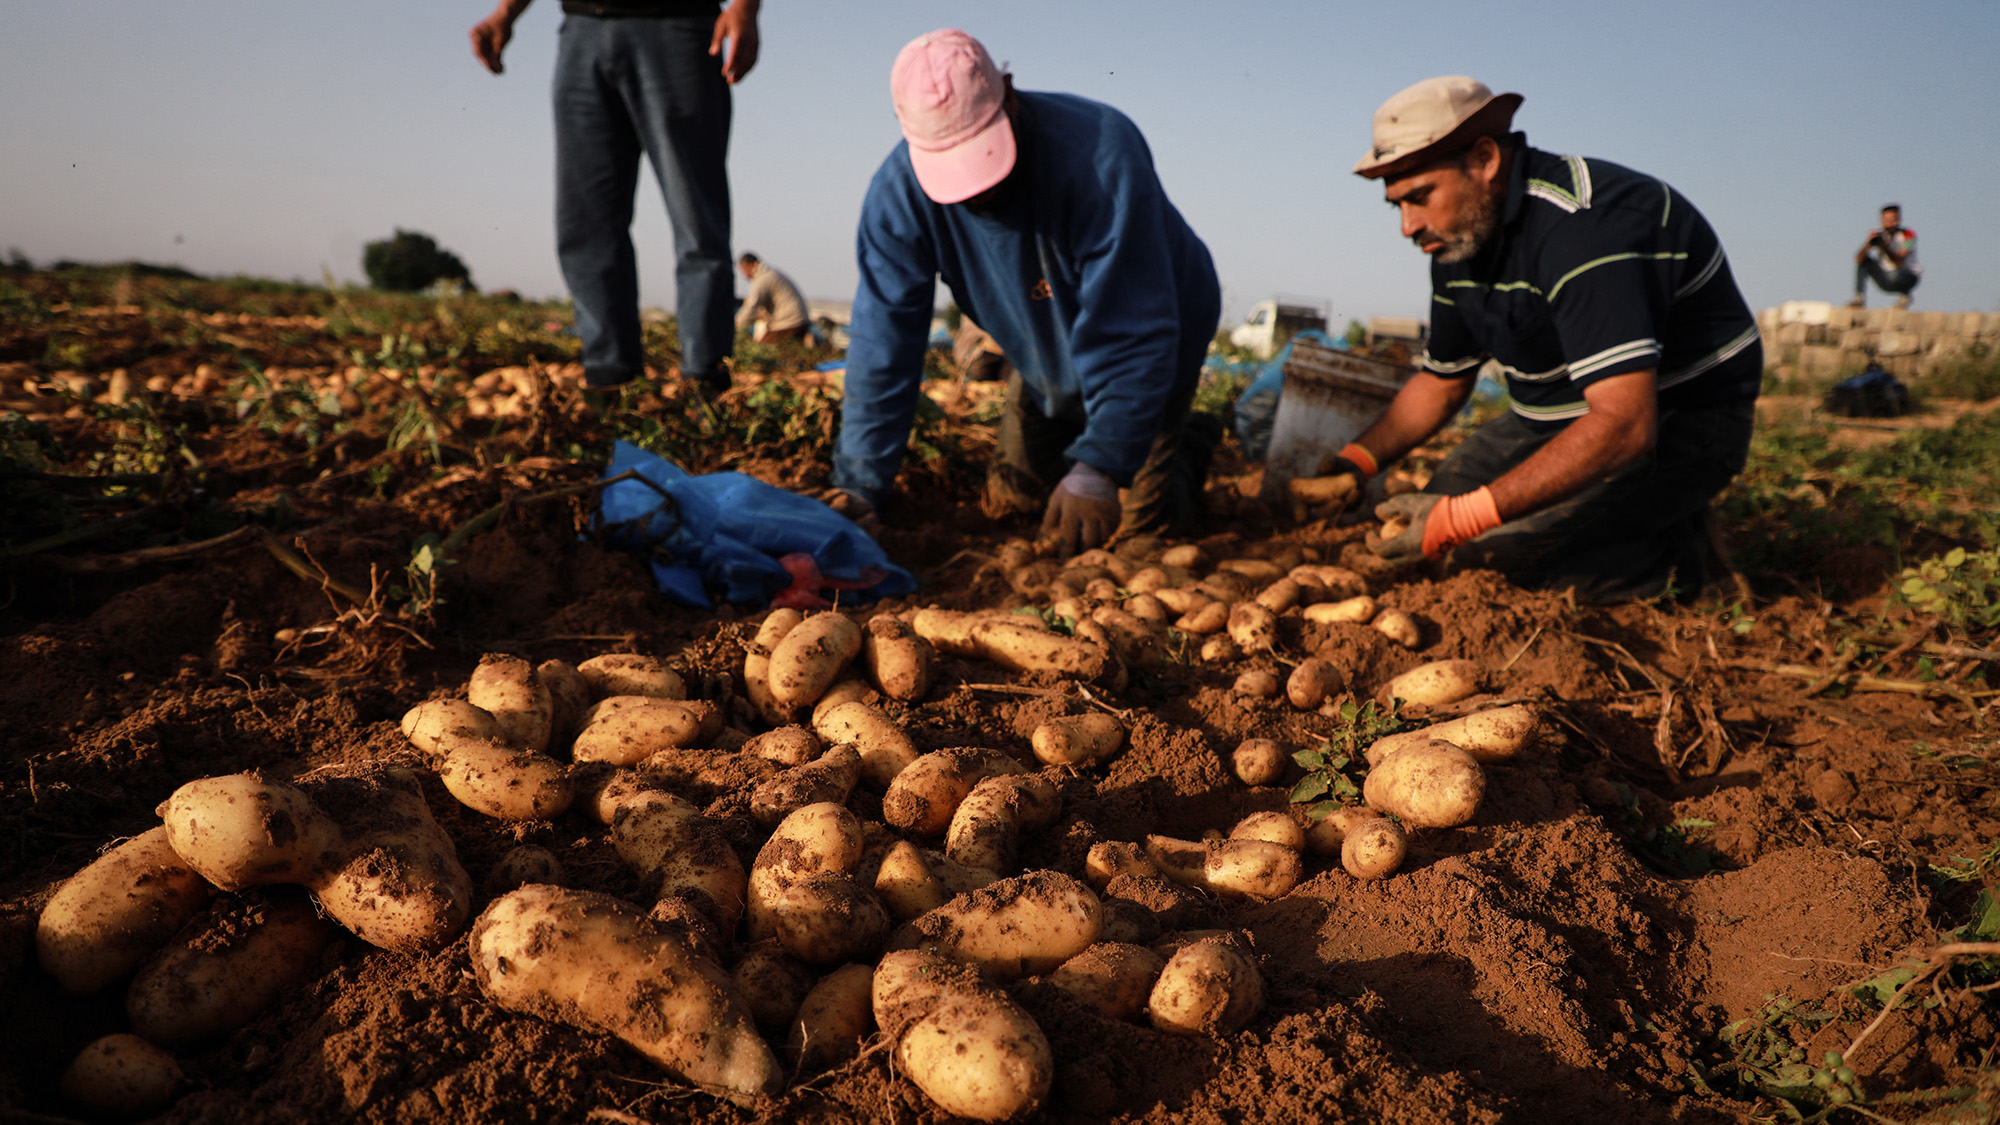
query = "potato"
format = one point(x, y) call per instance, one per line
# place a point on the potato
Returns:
point(774, 627)
point(1147, 608)
point(900, 662)
point(834, 1020)
point(1183, 599)
point(106, 918)
point(1391, 528)
point(603, 788)
point(1433, 684)
point(1219, 650)
point(120, 1077)
point(792, 745)
point(1327, 834)
point(1183, 861)
point(803, 891)
point(528, 863)
point(1073, 740)
point(401, 886)
point(227, 966)
point(661, 836)
point(1281, 595)
point(678, 919)
point(772, 982)
point(598, 963)
point(1138, 641)
point(1257, 684)
point(1189, 555)
point(1149, 580)
point(1205, 620)
point(1276, 827)
point(1115, 567)
point(831, 777)
point(1025, 649)
point(1312, 682)
point(243, 829)
point(569, 697)
point(884, 749)
point(853, 689)
point(1143, 907)
point(520, 703)
point(1015, 927)
point(811, 656)
point(1114, 978)
point(757, 688)
point(1322, 491)
point(1373, 849)
point(427, 724)
point(1247, 868)
point(1259, 761)
point(1494, 735)
point(922, 799)
point(611, 704)
point(1430, 785)
point(950, 632)
point(1352, 610)
point(1073, 609)
point(1228, 587)
point(1109, 859)
point(1339, 581)
point(1208, 987)
point(630, 735)
point(1252, 627)
point(631, 673)
point(986, 830)
point(965, 1044)
point(912, 881)
point(503, 782)
point(1399, 627)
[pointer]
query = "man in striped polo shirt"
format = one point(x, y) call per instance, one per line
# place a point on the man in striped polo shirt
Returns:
point(1632, 362)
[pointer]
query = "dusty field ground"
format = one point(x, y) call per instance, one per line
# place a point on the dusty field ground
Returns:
point(1714, 868)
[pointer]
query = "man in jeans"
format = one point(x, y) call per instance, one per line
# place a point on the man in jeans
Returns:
point(1632, 361)
point(1044, 215)
point(633, 78)
point(1890, 257)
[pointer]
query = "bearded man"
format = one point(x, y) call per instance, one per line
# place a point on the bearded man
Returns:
point(1631, 359)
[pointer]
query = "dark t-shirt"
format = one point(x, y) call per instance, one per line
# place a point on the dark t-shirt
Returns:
point(619, 8)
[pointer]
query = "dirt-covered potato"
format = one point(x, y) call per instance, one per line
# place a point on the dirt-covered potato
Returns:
point(1399, 627)
point(1373, 849)
point(834, 1020)
point(1258, 761)
point(1208, 987)
point(1252, 627)
point(660, 835)
point(1312, 682)
point(1257, 684)
point(885, 750)
point(1139, 642)
point(226, 966)
point(121, 1077)
point(986, 829)
point(1015, 927)
point(965, 1044)
point(569, 696)
point(773, 628)
point(528, 863)
point(1075, 740)
point(900, 662)
point(772, 982)
point(791, 745)
point(922, 798)
point(1108, 859)
point(1251, 868)
point(1326, 835)
point(849, 689)
point(631, 734)
point(428, 723)
point(1281, 595)
point(811, 657)
point(803, 890)
point(1206, 619)
point(508, 688)
point(1354, 610)
point(1023, 648)
point(245, 829)
point(1433, 684)
point(596, 962)
point(1493, 735)
point(106, 918)
point(912, 881)
point(1114, 978)
point(400, 885)
point(503, 781)
point(1188, 555)
point(1430, 785)
point(1276, 827)
point(1219, 650)
point(631, 673)
point(830, 777)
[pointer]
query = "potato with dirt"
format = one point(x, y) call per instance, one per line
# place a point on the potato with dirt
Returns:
point(965, 1044)
point(1497, 734)
point(245, 829)
point(226, 966)
point(1208, 987)
point(631, 673)
point(503, 781)
point(1429, 785)
point(884, 749)
point(631, 733)
point(1076, 740)
point(1312, 682)
point(1113, 978)
point(811, 656)
point(899, 661)
point(772, 982)
point(598, 963)
point(791, 745)
point(922, 799)
point(1373, 849)
point(429, 723)
point(507, 688)
point(803, 890)
point(1325, 836)
point(528, 863)
point(121, 1077)
point(663, 837)
point(1259, 761)
point(400, 885)
point(109, 916)
point(1015, 927)
point(830, 777)
point(1273, 827)
point(986, 830)
point(833, 1022)
point(1434, 684)
point(912, 881)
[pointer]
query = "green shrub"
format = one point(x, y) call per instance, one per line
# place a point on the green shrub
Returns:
point(1973, 373)
point(411, 261)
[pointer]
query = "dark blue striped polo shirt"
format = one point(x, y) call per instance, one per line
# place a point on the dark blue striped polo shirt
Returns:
point(1596, 271)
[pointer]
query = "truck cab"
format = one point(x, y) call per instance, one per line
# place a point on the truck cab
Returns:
point(1270, 323)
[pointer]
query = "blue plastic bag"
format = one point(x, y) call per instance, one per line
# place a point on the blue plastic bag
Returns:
point(725, 532)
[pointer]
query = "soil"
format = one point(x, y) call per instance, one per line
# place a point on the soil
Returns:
point(1556, 960)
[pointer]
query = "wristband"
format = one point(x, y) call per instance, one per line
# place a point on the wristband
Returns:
point(1359, 456)
point(1459, 518)
point(1084, 481)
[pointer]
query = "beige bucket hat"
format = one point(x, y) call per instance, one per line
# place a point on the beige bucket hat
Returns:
point(1434, 118)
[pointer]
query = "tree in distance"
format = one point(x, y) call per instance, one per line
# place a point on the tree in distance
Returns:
point(411, 261)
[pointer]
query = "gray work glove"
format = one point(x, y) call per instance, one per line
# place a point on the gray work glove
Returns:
point(1083, 511)
point(1413, 510)
point(854, 506)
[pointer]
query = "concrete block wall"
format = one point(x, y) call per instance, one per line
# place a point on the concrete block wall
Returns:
point(1816, 340)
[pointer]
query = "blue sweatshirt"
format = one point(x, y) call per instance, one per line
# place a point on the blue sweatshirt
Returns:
point(1088, 278)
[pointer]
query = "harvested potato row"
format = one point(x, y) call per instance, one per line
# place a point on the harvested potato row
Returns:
point(1431, 784)
point(1494, 735)
point(965, 1044)
point(225, 967)
point(1020, 926)
point(596, 962)
point(109, 916)
point(986, 829)
point(922, 799)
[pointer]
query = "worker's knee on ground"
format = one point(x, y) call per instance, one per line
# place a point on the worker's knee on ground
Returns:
point(1011, 491)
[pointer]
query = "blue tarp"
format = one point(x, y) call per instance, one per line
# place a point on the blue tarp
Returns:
point(1257, 406)
point(724, 533)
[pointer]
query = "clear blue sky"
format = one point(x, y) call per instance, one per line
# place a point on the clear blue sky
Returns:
point(274, 137)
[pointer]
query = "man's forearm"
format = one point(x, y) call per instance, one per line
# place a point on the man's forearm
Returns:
point(1619, 428)
point(1419, 410)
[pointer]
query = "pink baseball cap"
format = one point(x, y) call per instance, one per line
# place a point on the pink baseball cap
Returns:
point(950, 101)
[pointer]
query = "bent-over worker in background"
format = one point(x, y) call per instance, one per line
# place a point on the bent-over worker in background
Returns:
point(1632, 361)
point(773, 299)
point(1044, 215)
point(1889, 256)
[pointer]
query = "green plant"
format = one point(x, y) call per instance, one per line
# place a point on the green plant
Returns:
point(1959, 587)
point(1336, 767)
point(1674, 847)
point(1763, 1058)
point(410, 261)
point(1973, 373)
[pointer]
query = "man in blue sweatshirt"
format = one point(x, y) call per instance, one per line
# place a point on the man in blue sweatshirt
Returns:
point(1044, 215)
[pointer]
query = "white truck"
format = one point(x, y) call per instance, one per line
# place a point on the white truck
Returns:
point(1271, 323)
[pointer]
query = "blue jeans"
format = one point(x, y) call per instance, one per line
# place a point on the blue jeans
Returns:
point(626, 87)
point(1625, 536)
point(1898, 280)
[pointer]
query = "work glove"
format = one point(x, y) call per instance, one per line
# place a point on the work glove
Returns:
point(1083, 511)
point(1432, 525)
point(854, 506)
